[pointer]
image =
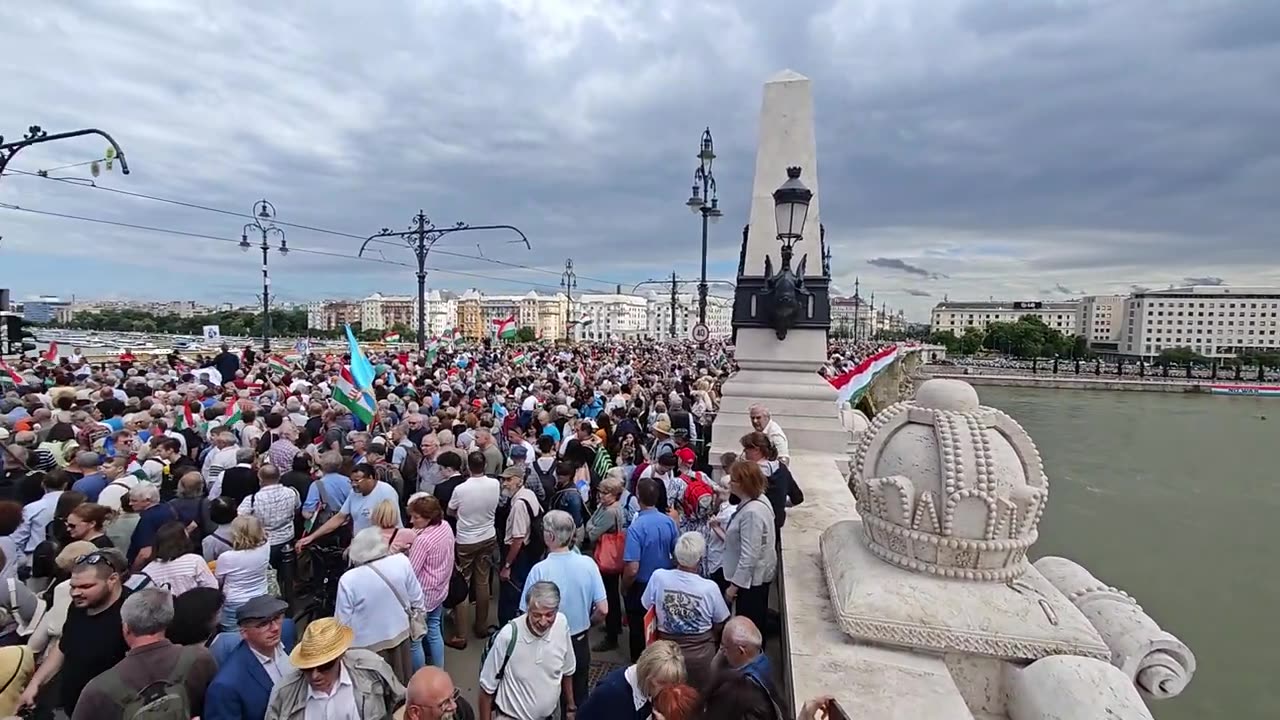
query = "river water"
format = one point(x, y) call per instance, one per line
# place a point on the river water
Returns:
point(1175, 499)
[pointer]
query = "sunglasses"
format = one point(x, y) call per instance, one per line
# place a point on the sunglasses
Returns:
point(97, 558)
point(323, 668)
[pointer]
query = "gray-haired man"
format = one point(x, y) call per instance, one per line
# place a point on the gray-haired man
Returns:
point(532, 663)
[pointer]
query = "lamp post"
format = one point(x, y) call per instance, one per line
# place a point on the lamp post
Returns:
point(421, 236)
point(36, 135)
point(706, 204)
point(790, 210)
point(568, 281)
point(264, 214)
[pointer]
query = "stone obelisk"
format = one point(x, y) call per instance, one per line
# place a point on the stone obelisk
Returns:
point(782, 374)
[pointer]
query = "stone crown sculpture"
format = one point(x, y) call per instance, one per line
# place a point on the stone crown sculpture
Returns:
point(949, 487)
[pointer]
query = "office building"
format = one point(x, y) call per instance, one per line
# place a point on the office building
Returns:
point(1212, 320)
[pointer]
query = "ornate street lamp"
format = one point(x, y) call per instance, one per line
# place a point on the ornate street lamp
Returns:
point(703, 201)
point(790, 210)
point(264, 223)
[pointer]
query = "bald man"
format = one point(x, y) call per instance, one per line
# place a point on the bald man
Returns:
point(430, 695)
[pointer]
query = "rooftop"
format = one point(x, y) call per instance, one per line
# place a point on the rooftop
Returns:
point(1009, 305)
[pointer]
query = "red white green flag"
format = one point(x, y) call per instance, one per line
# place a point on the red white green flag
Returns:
point(7, 373)
point(505, 329)
point(277, 364)
point(233, 414)
point(519, 359)
point(352, 398)
point(452, 335)
point(187, 420)
point(391, 337)
point(51, 355)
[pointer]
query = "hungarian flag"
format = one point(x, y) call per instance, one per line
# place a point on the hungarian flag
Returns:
point(352, 398)
point(452, 335)
point(187, 420)
point(850, 384)
point(7, 373)
point(277, 364)
point(505, 329)
point(233, 414)
point(391, 337)
point(519, 359)
point(433, 348)
point(51, 355)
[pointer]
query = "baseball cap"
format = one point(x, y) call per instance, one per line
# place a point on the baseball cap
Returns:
point(519, 452)
point(686, 455)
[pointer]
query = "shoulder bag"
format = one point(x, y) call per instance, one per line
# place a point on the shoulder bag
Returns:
point(610, 547)
point(417, 618)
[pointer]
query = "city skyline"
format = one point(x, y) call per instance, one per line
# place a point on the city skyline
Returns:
point(1052, 158)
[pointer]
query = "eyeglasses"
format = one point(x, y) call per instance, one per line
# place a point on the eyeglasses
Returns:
point(445, 705)
point(97, 558)
point(323, 668)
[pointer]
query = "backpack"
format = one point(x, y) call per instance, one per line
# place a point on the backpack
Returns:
point(696, 488)
point(409, 467)
point(548, 478)
point(506, 656)
point(535, 544)
point(161, 700)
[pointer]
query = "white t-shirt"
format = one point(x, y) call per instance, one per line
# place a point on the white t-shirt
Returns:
point(530, 404)
point(715, 543)
point(475, 501)
point(686, 604)
point(531, 686)
point(243, 573)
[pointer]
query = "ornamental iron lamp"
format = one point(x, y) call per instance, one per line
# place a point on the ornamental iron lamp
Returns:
point(790, 209)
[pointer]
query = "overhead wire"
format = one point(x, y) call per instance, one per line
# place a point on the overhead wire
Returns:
point(81, 182)
point(204, 236)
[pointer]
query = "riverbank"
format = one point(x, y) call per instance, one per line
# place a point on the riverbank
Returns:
point(1059, 382)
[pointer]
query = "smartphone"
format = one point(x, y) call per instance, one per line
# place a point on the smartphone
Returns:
point(834, 711)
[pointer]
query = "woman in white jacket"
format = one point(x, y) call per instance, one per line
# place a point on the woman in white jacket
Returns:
point(375, 598)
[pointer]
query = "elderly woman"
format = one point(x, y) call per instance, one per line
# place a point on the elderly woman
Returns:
point(615, 697)
point(690, 609)
point(608, 518)
point(376, 599)
point(432, 559)
point(750, 558)
point(781, 486)
point(173, 565)
point(386, 518)
point(242, 570)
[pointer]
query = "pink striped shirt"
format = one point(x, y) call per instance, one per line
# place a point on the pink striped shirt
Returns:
point(432, 559)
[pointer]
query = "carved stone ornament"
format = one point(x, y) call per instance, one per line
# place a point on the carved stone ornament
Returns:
point(784, 298)
point(948, 487)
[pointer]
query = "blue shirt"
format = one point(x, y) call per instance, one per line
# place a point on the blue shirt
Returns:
point(360, 507)
point(760, 669)
point(580, 583)
point(149, 522)
point(91, 486)
point(552, 432)
point(336, 488)
point(651, 540)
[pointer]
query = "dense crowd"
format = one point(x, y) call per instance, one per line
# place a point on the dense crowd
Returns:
point(238, 536)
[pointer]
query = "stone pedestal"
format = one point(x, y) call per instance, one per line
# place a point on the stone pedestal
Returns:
point(781, 374)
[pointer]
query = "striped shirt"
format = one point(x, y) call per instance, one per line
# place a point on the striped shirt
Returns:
point(275, 506)
point(432, 559)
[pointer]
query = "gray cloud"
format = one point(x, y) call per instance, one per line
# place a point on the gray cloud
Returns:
point(578, 122)
point(1064, 290)
point(1138, 288)
point(916, 292)
point(1207, 280)
point(904, 266)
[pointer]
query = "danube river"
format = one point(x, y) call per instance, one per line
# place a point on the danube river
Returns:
point(1174, 498)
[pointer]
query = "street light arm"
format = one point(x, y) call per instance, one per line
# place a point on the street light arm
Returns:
point(512, 228)
point(36, 136)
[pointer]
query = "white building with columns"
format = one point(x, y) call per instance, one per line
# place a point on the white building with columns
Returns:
point(719, 315)
point(602, 317)
point(957, 316)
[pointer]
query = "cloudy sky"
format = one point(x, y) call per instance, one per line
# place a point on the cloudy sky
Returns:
point(968, 148)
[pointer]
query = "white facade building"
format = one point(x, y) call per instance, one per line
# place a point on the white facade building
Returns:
point(441, 313)
point(1100, 320)
point(382, 312)
point(1212, 320)
point(719, 316)
point(957, 316)
point(600, 317)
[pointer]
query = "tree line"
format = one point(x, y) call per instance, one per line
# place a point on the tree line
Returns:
point(1028, 337)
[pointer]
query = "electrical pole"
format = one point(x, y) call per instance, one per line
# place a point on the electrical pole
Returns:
point(871, 331)
point(568, 281)
point(264, 214)
point(421, 236)
point(857, 310)
point(36, 135)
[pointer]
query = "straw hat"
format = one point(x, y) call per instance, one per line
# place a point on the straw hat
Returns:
point(324, 641)
point(662, 427)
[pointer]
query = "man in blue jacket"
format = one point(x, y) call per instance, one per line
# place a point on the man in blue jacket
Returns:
point(243, 684)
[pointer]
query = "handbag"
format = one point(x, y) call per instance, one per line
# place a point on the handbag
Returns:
point(459, 589)
point(609, 549)
point(417, 618)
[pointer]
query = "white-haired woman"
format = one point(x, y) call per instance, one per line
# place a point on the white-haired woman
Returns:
point(376, 598)
point(609, 518)
point(660, 666)
point(242, 570)
point(690, 609)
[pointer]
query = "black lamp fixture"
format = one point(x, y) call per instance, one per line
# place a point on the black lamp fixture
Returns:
point(791, 209)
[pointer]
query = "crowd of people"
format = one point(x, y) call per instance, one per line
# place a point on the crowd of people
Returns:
point(236, 536)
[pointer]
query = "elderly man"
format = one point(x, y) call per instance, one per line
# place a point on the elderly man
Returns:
point(334, 680)
point(221, 457)
point(763, 422)
point(493, 460)
point(431, 695)
point(742, 650)
point(238, 481)
point(145, 615)
point(430, 473)
point(258, 663)
point(582, 599)
point(531, 665)
point(518, 552)
point(93, 482)
point(145, 500)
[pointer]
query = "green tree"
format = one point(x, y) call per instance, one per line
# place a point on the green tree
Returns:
point(1180, 356)
point(526, 334)
point(971, 341)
